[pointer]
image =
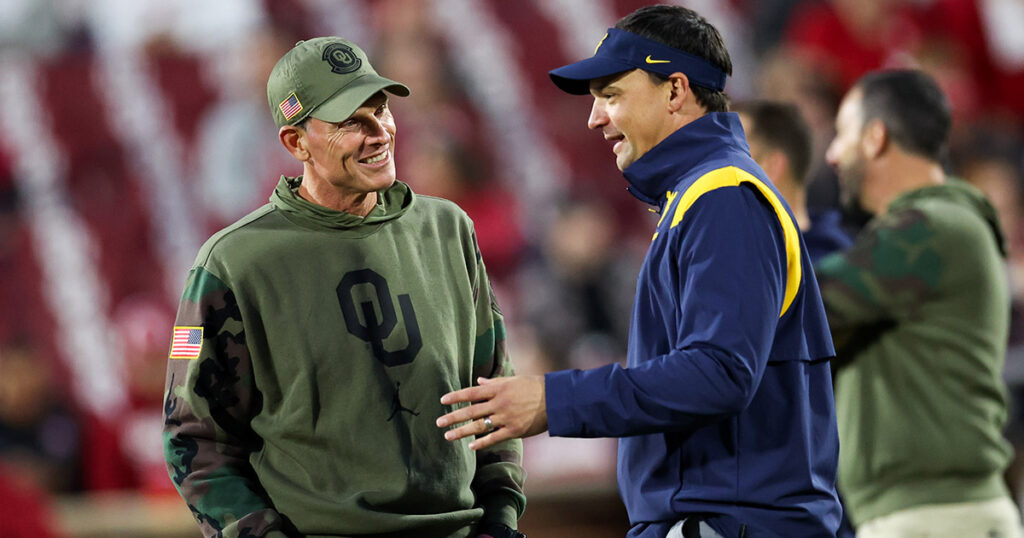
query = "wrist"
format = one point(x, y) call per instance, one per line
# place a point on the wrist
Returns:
point(498, 530)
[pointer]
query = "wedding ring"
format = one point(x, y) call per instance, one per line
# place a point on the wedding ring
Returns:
point(488, 424)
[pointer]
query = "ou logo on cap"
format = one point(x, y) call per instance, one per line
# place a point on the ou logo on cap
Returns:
point(341, 58)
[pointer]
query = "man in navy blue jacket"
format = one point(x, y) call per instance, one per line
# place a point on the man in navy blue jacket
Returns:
point(725, 410)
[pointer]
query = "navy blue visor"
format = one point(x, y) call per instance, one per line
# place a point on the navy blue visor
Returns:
point(621, 51)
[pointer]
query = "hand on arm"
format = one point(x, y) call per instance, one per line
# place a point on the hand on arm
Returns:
point(515, 405)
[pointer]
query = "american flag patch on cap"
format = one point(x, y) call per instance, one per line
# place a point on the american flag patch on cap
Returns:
point(186, 343)
point(290, 106)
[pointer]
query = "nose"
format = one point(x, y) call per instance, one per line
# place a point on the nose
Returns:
point(832, 153)
point(376, 131)
point(598, 116)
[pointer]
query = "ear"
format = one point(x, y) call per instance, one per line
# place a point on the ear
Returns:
point(874, 138)
point(293, 138)
point(679, 90)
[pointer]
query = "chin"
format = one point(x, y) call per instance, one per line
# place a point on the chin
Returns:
point(384, 184)
point(386, 178)
point(853, 204)
point(623, 161)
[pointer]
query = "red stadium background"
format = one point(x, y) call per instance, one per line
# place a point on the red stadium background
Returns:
point(131, 130)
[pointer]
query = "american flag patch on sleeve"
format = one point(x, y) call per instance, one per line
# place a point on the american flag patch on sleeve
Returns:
point(186, 343)
point(290, 106)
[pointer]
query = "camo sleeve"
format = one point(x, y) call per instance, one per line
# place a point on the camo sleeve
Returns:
point(209, 400)
point(499, 478)
point(892, 268)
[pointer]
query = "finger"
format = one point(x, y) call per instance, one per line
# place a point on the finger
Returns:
point(470, 394)
point(464, 414)
point(476, 427)
point(484, 380)
point(490, 439)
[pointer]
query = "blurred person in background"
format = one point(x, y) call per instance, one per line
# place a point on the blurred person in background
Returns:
point(976, 52)
point(451, 168)
point(236, 147)
point(571, 289)
point(919, 309)
point(787, 74)
point(725, 411)
point(992, 160)
point(574, 304)
point(826, 46)
point(316, 335)
point(842, 39)
point(123, 450)
point(40, 434)
point(780, 142)
point(142, 322)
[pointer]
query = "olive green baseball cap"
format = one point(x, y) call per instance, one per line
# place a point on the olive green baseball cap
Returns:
point(327, 78)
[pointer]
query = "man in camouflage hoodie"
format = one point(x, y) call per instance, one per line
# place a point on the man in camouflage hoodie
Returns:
point(316, 335)
point(919, 310)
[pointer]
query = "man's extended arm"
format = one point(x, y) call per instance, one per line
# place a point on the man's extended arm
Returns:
point(730, 291)
point(727, 286)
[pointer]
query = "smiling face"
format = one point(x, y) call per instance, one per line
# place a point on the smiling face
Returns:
point(630, 109)
point(354, 156)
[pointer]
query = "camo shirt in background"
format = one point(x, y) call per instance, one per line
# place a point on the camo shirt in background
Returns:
point(920, 310)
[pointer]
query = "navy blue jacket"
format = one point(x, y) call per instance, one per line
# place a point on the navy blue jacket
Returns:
point(726, 405)
point(826, 234)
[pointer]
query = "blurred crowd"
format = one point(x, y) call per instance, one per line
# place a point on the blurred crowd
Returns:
point(131, 130)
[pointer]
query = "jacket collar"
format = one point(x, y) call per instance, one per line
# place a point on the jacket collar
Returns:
point(661, 168)
point(391, 204)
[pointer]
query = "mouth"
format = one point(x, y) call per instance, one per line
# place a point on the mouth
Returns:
point(379, 159)
point(615, 140)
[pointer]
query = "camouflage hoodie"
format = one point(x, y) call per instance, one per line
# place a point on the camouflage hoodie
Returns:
point(310, 353)
point(920, 309)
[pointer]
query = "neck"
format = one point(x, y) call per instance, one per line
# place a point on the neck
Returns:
point(902, 173)
point(324, 194)
point(797, 200)
point(689, 112)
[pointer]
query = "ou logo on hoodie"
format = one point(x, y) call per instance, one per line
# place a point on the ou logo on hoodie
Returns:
point(375, 331)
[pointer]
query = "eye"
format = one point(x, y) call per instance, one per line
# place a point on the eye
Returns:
point(348, 124)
